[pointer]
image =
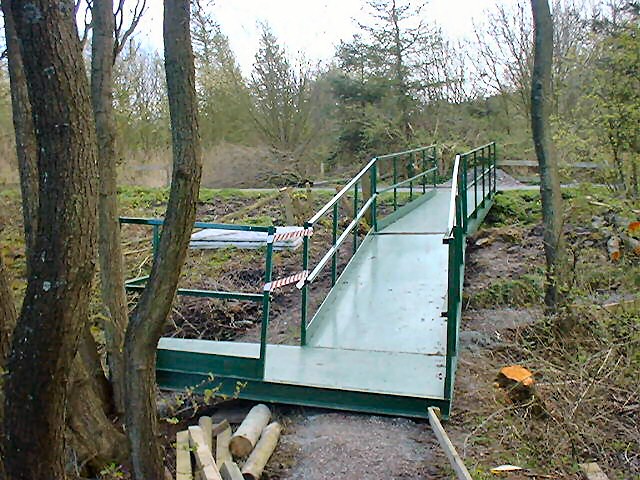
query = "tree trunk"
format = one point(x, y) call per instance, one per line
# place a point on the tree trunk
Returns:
point(8, 318)
point(61, 264)
point(148, 319)
point(548, 166)
point(110, 251)
point(8, 315)
point(95, 440)
point(26, 147)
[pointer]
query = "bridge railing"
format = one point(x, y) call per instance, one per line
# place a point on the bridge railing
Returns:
point(473, 184)
point(411, 173)
point(251, 367)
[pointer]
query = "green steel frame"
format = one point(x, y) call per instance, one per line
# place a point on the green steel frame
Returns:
point(414, 172)
point(368, 178)
point(251, 368)
point(481, 163)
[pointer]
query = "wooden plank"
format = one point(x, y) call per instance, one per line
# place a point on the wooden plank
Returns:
point(593, 471)
point(450, 451)
point(183, 457)
point(222, 447)
point(206, 425)
point(204, 458)
point(218, 428)
point(230, 471)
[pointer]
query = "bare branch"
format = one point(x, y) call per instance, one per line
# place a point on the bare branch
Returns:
point(120, 38)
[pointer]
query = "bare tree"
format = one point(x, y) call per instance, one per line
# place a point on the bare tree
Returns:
point(61, 264)
point(148, 319)
point(26, 148)
point(109, 35)
point(548, 165)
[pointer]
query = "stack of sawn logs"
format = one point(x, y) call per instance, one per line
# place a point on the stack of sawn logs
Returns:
point(207, 451)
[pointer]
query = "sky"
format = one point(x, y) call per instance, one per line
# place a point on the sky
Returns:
point(314, 27)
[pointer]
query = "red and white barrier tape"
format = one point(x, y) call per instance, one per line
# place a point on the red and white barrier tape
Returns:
point(306, 232)
point(281, 282)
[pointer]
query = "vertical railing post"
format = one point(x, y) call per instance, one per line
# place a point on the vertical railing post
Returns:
point(395, 180)
point(495, 169)
point(355, 214)
point(374, 189)
point(423, 154)
point(305, 287)
point(490, 168)
point(410, 173)
point(266, 298)
point(483, 160)
point(462, 191)
point(475, 183)
point(334, 236)
point(435, 166)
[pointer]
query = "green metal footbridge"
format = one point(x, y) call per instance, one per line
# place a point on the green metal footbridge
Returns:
point(385, 338)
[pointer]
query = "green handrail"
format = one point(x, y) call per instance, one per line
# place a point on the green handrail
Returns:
point(369, 207)
point(457, 227)
point(138, 284)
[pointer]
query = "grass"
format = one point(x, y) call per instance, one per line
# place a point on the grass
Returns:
point(585, 359)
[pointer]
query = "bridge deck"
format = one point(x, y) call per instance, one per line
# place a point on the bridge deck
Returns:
point(377, 344)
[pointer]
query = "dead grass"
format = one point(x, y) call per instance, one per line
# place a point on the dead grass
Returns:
point(586, 377)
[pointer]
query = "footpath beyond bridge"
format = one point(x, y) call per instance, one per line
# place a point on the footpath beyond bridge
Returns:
point(385, 338)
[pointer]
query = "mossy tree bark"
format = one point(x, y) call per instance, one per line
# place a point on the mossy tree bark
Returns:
point(61, 263)
point(8, 318)
point(548, 165)
point(111, 261)
point(148, 319)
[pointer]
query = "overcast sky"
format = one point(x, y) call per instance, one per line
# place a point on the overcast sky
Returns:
point(314, 27)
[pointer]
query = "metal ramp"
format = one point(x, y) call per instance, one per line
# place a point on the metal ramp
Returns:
point(384, 340)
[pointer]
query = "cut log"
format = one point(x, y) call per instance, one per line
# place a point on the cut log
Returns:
point(206, 425)
point(230, 471)
point(204, 458)
point(248, 433)
point(264, 449)
point(613, 247)
point(518, 382)
point(183, 457)
point(222, 446)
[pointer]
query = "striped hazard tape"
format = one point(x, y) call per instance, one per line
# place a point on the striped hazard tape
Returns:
point(306, 232)
point(281, 282)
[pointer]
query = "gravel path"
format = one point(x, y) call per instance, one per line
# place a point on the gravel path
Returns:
point(340, 445)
